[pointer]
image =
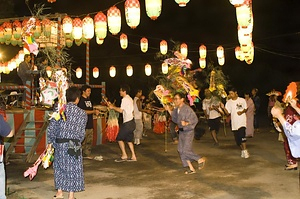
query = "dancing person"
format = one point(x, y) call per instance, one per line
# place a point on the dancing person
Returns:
point(5, 131)
point(237, 108)
point(186, 119)
point(273, 95)
point(256, 101)
point(127, 127)
point(211, 106)
point(138, 117)
point(66, 137)
point(249, 116)
point(86, 104)
point(24, 74)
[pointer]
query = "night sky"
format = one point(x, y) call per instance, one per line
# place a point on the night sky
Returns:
point(212, 23)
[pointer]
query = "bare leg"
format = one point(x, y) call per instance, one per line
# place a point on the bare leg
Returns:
point(214, 135)
point(71, 195)
point(59, 193)
point(190, 165)
point(131, 147)
point(243, 146)
point(122, 147)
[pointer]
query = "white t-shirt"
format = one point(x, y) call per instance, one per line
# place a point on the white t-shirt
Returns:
point(137, 114)
point(233, 106)
point(127, 107)
point(207, 104)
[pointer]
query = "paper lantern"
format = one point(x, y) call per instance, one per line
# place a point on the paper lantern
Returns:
point(148, 69)
point(153, 8)
point(67, 26)
point(112, 71)
point(237, 52)
point(77, 28)
point(144, 44)
point(46, 23)
point(123, 41)
point(69, 43)
point(88, 27)
point(182, 3)
point(49, 71)
point(243, 15)
point(163, 47)
point(17, 29)
point(78, 72)
point(202, 62)
point(132, 13)
point(184, 50)
point(202, 51)
point(220, 52)
point(114, 20)
point(100, 25)
point(221, 61)
point(237, 2)
point(78, 42)
point(95, 72)
point(2, 39)
point(51, 1)
point(7, 30)
point(99, 41)
point(164, 68)
point(38, 29)
point(129, 70)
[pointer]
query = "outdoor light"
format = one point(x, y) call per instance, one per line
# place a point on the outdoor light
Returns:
point(148, 69)
point(221, 61)
point(242, 57)
point(123, 41)
point(163, 47)
point(112, 71)
point(69, 43)
point(88, 27)
point(99, 41)
point(78, 42)
point(220, 52)
point(153, 8)
point(114, 20)
point(243, 15)
point(8, 30)
point(46, 26)
point(77, 28)
point(202, 51)
point(2, 39)
point(78, 72)
point(184, 50)
point(17, 29)
point(144, 44)
point(129, 70)
point(164, 68)
point(51, 1)
point(95, 72)
point(49, 71)
point(202, 62)
point(100, 25)
point(182, 3)
point(236, 2)
point(132, 13)
point(67, 26)
point(237, 52)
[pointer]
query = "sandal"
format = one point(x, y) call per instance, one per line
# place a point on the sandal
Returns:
point(188, 172)
point(121, 160)
point(201, 164)
point(131, 160)
point(58, 197)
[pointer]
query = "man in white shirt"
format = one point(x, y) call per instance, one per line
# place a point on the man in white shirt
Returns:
point(237, 107)
point(126, 129)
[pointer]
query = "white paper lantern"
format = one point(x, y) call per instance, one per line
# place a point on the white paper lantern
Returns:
point(153, 8)
point(202, 62)
point(129, 70)
point(184, 50)
point(100, 25)
point(78, 72)
point(123, 41)
point(148, 69)
point(182, 3)
point(112, 71)
point(114, 20)
point(132, 13)
point(144, 44)
point(164, 68)
point(163, 47)
point(88, 27)
point(95, 72)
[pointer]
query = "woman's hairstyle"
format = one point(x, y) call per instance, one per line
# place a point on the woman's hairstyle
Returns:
point(72, 94)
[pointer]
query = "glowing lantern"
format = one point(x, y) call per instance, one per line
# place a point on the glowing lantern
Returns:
point(202, 51)
point(88, 27)
point(221, 61)
point(182, 3)
point(163, 47)
point(112, 71)
point(99, 41)
point(114, 20)
point(78, 72)
point(202, 62)
point(132, 13)
point(148, 69)
point(153, 8)
point(51, 1)
point(123, 41)
point(67, 26)
point(95, 72)
point(100, 25)
point(69, 43)
point(2, 39)
point(164, 68)
point(237, 52)
point(46, 27)
point(144, 44)
point(184, 50)
point(78, 42)
point(243, 15)
point(7, 30)
point(236, 2)
point(13, 41)
point(49, 71)
point(129, 70)
point(38, 29)
point(77, 29)
point(220, 52)
point(245, 47)
point(17, 29)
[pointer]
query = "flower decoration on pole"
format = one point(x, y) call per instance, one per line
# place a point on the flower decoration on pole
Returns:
point(78, 72)
point(95, 72)
point(88, 27)
point(77, 28)
point(182, 3)
point(153, 8)
point(144, 44)
point(112, 71)
point(114, 20)
point(123, 41)
point(132, 13)
point(148, 69)
point(129, 70)
point(163, 47)
point(28, 38)
point(100, 21)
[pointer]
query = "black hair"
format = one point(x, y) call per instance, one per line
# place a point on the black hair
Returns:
point(72, 94)
point(26, 55)
point(180, 94)
point(126, 88)
point(232, 89)
point(85, 87)
point(138, 90)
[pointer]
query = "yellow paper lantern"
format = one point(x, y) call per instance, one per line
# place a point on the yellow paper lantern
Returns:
point(77, 29)
point(182, 3)
point(123, 41)
point(237, 2)
point(129, 70)
point(99, 41)
point(148, 69)
point(202, 51)
point(164, 68)
point(114, 20)
point(153, 8)
point(184, 50)
point(88, 27)
point(132, 13)
point(163, 47)
point(220, 52)
point(221, 61)
point(95, 72)
point(202, 62)
point(144, 44)
point(78, 72)
point(243, 15)
point(100, 25)
point(112, 71)
point(237, 52)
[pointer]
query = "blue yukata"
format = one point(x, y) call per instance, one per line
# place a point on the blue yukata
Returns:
point(186, 133)
point(68, 170)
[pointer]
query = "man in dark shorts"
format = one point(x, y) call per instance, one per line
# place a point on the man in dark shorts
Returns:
point(126, 129)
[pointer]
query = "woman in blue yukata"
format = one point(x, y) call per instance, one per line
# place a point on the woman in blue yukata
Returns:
point(66, 137)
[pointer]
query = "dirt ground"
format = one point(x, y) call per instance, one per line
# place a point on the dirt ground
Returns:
point(159, 173)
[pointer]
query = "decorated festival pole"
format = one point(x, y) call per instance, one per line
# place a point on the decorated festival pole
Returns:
point(87, 70)
point(58, 48)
